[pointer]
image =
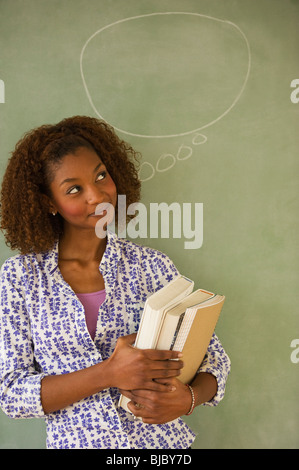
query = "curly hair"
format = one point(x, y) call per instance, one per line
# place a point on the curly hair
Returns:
point(25, 219)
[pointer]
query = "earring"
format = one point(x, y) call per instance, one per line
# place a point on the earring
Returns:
point(54, 213)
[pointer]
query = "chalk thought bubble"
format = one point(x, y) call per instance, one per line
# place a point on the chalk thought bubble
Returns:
point(165, 74)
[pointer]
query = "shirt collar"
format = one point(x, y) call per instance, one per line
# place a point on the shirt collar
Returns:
point(111, 255)
point(109, 260)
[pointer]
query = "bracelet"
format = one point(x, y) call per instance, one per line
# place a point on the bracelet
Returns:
point(193, 400)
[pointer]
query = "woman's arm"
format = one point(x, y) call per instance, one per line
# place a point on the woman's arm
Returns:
point(26, 392)
point(126, 368)
point(208, 386)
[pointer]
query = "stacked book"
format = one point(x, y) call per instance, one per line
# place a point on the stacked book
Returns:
point(179, 319)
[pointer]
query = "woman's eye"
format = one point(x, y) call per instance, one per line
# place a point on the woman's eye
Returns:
point(73, 190)
point(101, 175)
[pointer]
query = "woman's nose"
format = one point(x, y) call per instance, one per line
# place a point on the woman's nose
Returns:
point(94, 195)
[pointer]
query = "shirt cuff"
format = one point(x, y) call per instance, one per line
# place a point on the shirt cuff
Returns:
point(217, 363)
point(21, 396)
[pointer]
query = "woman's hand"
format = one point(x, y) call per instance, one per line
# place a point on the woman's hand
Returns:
point(131, 368)
point(158, 407)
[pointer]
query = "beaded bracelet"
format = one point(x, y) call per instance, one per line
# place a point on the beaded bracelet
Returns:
point(193, 400)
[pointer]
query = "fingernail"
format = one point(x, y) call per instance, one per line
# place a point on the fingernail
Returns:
point(180, 354)
point(172, 388)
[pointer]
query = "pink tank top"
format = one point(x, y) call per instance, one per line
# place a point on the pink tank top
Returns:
point(91, 303)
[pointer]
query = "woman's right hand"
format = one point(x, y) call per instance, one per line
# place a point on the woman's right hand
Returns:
point(131, 368)
point(128, 368)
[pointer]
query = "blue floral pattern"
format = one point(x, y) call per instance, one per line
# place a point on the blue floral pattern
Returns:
point(43, 332)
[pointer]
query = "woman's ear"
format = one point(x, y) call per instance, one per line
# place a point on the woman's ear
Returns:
point(48, 204)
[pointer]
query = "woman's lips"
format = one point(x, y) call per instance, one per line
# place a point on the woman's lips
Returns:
point(101, 210)
point(96, 215)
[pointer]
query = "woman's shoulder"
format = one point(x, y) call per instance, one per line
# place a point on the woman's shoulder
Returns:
point(13, 270)
point(24, 263)
point(132, 249)
point(16, 261)
point(148, 259)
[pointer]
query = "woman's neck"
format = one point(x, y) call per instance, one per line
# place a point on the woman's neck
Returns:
point(84, 247)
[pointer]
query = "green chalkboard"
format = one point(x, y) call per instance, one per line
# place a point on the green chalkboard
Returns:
point(208, 92)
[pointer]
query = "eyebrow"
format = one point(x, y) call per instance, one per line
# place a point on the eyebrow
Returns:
point(69, 180)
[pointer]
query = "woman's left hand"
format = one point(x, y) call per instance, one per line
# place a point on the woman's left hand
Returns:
point(160, 407)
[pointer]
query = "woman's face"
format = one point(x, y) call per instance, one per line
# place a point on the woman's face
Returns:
point(80, 183)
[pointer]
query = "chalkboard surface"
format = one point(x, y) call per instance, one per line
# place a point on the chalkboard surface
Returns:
point(208, 93)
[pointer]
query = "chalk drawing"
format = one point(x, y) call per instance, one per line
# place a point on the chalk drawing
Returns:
point(98, 112)
point(167, 160)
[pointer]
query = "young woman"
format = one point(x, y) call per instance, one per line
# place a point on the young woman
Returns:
point(71, 302)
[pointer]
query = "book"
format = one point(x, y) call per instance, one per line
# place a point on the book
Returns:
point(179, 319)
point(155, 308)
point(195, 333)
point(173, 318)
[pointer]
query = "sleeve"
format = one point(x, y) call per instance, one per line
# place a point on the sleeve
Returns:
point(217, 363)
point(20, 382)
point(157, 270)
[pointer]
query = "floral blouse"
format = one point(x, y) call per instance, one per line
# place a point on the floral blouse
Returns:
point(43, 332)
